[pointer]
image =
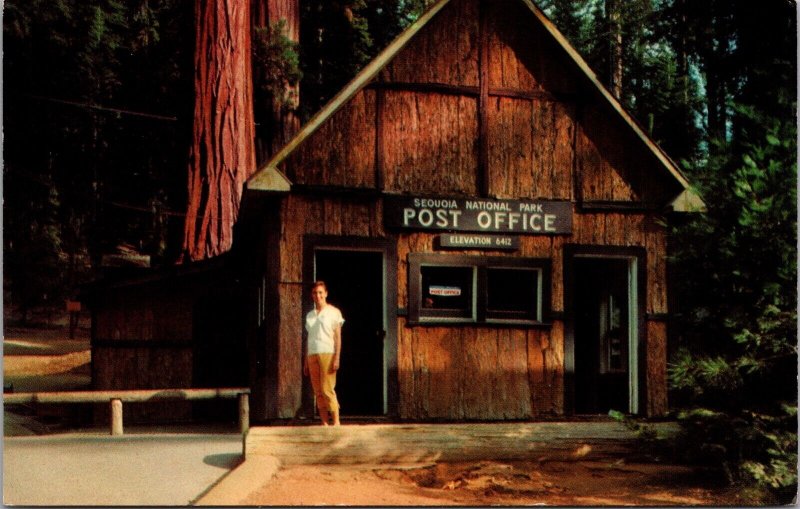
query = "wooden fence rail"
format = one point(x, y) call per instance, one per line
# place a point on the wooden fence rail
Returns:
point(117, 397)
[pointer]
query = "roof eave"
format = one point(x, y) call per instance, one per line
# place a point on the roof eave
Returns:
point(269, 179)
point(688, 201)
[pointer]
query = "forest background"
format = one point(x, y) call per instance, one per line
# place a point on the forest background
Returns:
point(98, 112)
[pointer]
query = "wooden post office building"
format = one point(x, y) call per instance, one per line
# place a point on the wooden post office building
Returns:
point(489, 220)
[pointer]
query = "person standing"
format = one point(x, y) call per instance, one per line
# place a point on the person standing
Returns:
point(323, 348)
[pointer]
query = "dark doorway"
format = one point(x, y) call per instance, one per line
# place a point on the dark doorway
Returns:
point(602, 335)
point(219, 355)
point(355, 285)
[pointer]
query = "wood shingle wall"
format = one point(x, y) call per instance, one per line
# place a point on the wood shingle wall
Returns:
point(482, 101)
point(170, 331)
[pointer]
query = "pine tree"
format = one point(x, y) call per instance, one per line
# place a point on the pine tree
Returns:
point(87, 84)
point(735, 371)
point(335, 44)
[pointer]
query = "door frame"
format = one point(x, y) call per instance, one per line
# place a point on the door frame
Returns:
point(388, 249)
point(637, 328)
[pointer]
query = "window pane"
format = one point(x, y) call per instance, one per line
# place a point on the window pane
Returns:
point(446, 289)
point(512, 293)
point(612, 326)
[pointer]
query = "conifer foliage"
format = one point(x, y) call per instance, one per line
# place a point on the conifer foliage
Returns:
point(715, 84)
point(87, 86)
point(734, 372)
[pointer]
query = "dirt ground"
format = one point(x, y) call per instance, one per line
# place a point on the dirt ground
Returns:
point(46, 359)
point(580, 483)
point(43, 358)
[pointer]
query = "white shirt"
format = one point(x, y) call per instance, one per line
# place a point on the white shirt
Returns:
point(321, 326)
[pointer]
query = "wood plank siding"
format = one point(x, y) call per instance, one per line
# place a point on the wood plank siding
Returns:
point(516, 373)
point(145, 342)
point(178, 329)
point(482, 101)
point(415, 128)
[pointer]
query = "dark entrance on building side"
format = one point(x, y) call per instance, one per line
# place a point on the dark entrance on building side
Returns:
point(355, 285)
point(602, 303)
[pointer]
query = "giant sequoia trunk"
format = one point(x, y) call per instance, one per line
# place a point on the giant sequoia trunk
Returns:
point(278, 120)
point(222, 153)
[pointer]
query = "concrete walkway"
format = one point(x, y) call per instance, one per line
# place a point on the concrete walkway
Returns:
point(135, 469)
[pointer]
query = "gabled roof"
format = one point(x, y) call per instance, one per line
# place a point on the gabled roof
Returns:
point(270, 178)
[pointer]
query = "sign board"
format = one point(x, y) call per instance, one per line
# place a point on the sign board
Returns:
point(532, 217)
point(445, 291)
point(478, 241)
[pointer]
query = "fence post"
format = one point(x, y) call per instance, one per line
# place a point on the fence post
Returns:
point(244, 413)
point(116, 417)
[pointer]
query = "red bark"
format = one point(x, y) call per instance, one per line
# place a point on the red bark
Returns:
point(266, 12)
point(222, 154)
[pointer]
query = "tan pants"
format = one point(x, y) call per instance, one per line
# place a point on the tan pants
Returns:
point(323, 381)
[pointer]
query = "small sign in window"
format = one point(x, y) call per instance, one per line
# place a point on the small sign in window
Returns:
point(445, 291)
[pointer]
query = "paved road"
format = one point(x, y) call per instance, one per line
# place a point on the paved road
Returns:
point(81, 469)
point(148, 466)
